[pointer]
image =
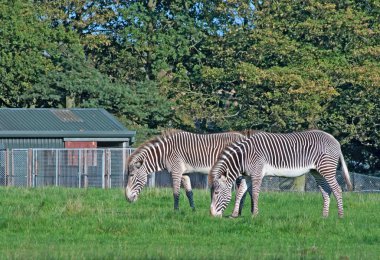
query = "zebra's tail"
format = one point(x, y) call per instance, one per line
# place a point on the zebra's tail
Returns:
point(346, 175)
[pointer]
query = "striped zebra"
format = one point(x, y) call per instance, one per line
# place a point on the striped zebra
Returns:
point(180, 153)
point(287, 155)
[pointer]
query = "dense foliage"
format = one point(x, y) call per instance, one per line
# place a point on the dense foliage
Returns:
point(202, 65)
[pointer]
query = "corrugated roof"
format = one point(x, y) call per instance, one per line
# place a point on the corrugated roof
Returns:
point(75, 122)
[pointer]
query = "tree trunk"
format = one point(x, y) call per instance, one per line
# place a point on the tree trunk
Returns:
point(70, 101)
point(299, 183)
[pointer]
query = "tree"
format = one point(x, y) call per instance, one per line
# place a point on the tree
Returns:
point(87, 18)
point(23, 41)
point(202, 65)
point(299, 66)
point(165, 42)
point(73, 81)
point(140, 106)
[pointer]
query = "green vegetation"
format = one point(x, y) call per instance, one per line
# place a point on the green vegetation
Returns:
point(203, 66)
point(65, 223)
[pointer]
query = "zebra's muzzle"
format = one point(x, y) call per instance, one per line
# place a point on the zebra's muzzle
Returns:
point(215, 213)
point(130, 196)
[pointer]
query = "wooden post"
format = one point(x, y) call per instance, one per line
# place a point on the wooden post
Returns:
point(299, 183)
point(108, 168)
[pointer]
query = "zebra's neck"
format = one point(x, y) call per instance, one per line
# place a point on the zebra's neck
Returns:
point(155, 155)
point(232, 174)
point(233, 162)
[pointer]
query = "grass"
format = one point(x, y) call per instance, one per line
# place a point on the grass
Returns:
point(67, 223)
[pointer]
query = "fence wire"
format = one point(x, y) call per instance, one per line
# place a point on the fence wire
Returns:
point(106, 168)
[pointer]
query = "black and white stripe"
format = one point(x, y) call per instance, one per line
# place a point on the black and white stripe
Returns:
point(287, 155)
point(180, 153)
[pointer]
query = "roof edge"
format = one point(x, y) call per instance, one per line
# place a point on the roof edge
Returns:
point(63, 134)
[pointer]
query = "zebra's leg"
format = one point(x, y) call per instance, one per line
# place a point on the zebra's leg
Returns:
point(331, 180)
point(249, 190)
point(176, 188)
point(256, 184)
point(327, 168)
point(240, 195)
point(325, 190)
point(189, 192)
point(238, 181)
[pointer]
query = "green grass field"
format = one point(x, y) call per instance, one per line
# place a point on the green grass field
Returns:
point(49, 223)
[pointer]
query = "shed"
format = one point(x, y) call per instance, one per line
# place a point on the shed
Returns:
point(61, 128)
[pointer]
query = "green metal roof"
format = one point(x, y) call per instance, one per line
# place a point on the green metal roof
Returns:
point(72, 123)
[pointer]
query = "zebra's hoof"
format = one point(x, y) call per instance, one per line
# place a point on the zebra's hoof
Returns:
point(233, 216)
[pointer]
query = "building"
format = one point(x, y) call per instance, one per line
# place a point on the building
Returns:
point(61, 128)
point(45, 147)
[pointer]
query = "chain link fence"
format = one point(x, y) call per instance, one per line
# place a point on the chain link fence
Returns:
point(106, 168)
point(81, 168)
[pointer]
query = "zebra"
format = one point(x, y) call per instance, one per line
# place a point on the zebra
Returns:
point(276, 154)
point(180, 153)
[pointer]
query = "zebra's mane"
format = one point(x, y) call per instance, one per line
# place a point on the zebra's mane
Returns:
point(222, 157)
point(165, 134)
point(249, 132)
point(172, 132)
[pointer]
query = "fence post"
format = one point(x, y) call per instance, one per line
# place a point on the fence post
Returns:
point(7, 157)
point(13, 168)
point(80, 157)
point(85, 171)
point(29, 168)
point(107, 167)
point(56, 167)
point(153, 179)
point(124, 160)
point(103, 168)
point(34, 167)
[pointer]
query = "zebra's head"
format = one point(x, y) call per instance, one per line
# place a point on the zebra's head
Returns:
point(137, 178)
point(146, 159)
point(221, 196)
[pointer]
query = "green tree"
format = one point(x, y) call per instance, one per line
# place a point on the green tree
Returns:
point(23, 40)
point(87, 18)
point(42, 65)
point(163, 41)
point(79, 34)
point(202, 65)
point(141, 106)
point(300, 65)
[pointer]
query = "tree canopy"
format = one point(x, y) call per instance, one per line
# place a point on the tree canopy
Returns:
point(203, 66)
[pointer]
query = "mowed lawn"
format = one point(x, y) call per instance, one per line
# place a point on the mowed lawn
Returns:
point(62, 223)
